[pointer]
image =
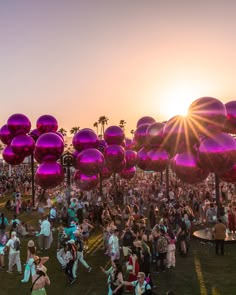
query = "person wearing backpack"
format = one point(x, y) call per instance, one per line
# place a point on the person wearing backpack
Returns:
point(3, 223)
point(13, 245)
point(3, 241)
point(141, 286)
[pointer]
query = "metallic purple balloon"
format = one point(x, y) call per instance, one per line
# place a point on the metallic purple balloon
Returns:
point(128, 173)
point(114, 156)
point(230, 124)
point(130, 158)
point(6, 135)
point(116, 167)
point(49, 175)
point(145, 120)
point(155, 134)
point(140, 135)
point(218, 154)
point(47, 123)
point(102, 145)
point(23, 145)
point(49, 147)
point(86, 182)
point(128, 143)
point(90, 161)
point(229, 176)
point(35, 134)
point(159, 159)
point(10, 157)
point(143, 160)
point(85, 139)
point(106, 173)
point(186, 168)
point(207, 115)
point(61, 135)
point(18, 124)
point(114, 135)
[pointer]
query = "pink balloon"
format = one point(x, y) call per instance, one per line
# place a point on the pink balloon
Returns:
point(18, 124)
point(34, 134)
point(114, 156)
point(10, 157)
point(159, 159)
point(128, 173)
point(47, 123)
point(49, 175)
point(90, 161)
point(128, 143)
point(85, 139)
point(6, 135)
point(207, 115)
point(145, 120)
point(143, 160)
point(49, 147)
point(61, 135)
point(114, 135)
point(106, 173)
point(155, 134)
point(130, 158)
point(230, 124)
point(218, 154)
point(23, 145)
point(140, 135)
point(116, 167)
point(86, 182)
point(229, 176)
point(186, 168)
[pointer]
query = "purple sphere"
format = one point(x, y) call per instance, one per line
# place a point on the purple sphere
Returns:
point(114, 156)
point(18, 124)
point(130, 158)
point(6, 135)
point(143, 160)
point(49, 147)
point(106, 173)
point(47, 123)
point(85, 139)
point(23, 145)
point(86, 182)
point(186, 168)
point(140, 135)
point(145, 120)
point(90, 161)
point(159, 159)
point(229, 176)
point(230, 124)
point(155, 134)
point(128, 173)
point(49, 175)
point(114, 135)
point(10, 157)
point(34, 134)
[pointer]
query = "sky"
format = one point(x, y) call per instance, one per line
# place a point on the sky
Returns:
point(81, 59)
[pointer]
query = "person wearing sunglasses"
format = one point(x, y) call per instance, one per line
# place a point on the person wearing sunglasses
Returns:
point(140, 285)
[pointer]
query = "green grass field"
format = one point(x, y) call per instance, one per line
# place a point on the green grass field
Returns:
point(200, 273)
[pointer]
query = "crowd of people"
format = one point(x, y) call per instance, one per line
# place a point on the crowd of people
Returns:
point(143, 225)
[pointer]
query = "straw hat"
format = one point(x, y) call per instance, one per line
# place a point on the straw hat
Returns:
point(42, 268)
point(31, 243)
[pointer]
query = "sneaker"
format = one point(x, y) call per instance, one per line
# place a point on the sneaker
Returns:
point(72, 282)
point(89, 269)
point(9, 271)
point(23, 281)
point(20, 272)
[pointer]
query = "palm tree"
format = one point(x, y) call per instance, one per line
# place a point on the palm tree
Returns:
point(122, 125)
point(103, 120)
point(96, 126)
point(132, 132)
point(74, 130)
point(62, 131)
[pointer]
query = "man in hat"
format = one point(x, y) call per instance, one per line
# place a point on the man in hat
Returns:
point(14, 253)
point(39, 281)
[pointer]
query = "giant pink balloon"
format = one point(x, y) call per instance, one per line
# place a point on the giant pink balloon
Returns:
point(47, 123)
point(90, 161)
point(128, 173)
point(18, 124)
point(218, 154)
point(229, 176)
point(116, 167)
point(186, 168)
point(23, 145)
point(86, 182)
point(35, 134)
point(114, 135)
point(230, 124)
point(140, 135)
point(6, 135)
point(145, 120)
point(49, 175)
point(131, 158)
point(10, 157)
point(129, 144)
point(207, 115)
point(114, 156)
point(106, 173)
point(49, 147)
point(143, 160)
point(159, 159)
point(155, 134)
point(84, 139)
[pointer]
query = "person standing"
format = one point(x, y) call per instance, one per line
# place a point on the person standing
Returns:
point(13, 245)
point(219, 231)
point(3, 241)
point(44, 234)
point(39, 281)
point(30, 266)
point(114, 247)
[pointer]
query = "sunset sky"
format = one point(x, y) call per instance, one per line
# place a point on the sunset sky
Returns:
point(81, 59)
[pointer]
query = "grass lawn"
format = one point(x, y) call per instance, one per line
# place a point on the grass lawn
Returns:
point(200, 273)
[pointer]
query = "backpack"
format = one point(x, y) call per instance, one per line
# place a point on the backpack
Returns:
point(162, 244)
point(2, 224)
point(146, 292)
point(80, 245)
point(16, 246)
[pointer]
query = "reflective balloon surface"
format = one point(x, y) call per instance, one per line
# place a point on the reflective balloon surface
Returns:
point(47, 123)
point(130, 158)
point(49, 147)
point(35, 134)
point(229, 176)
point(145, 120)
point(159, 159)
point(114, 154)
point(18, 124)
point(102, 145)
point(186, 168)
point(155, 134)
point(230, 124)
point(49, 175)
point(23, 145)
point(10, 157)
point(90, 161)
point(129, 144)
point(207, 115)
point(106, 173)
point(86, 182)
point(143, 160)
point(140, 135)
point(114, 135)
point(5, 135)
point(116, 167)
point(218, 154)
point(128, 173)
point(84, 139)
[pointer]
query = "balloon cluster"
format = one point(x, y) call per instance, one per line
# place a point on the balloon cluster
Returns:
point(44, 142)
